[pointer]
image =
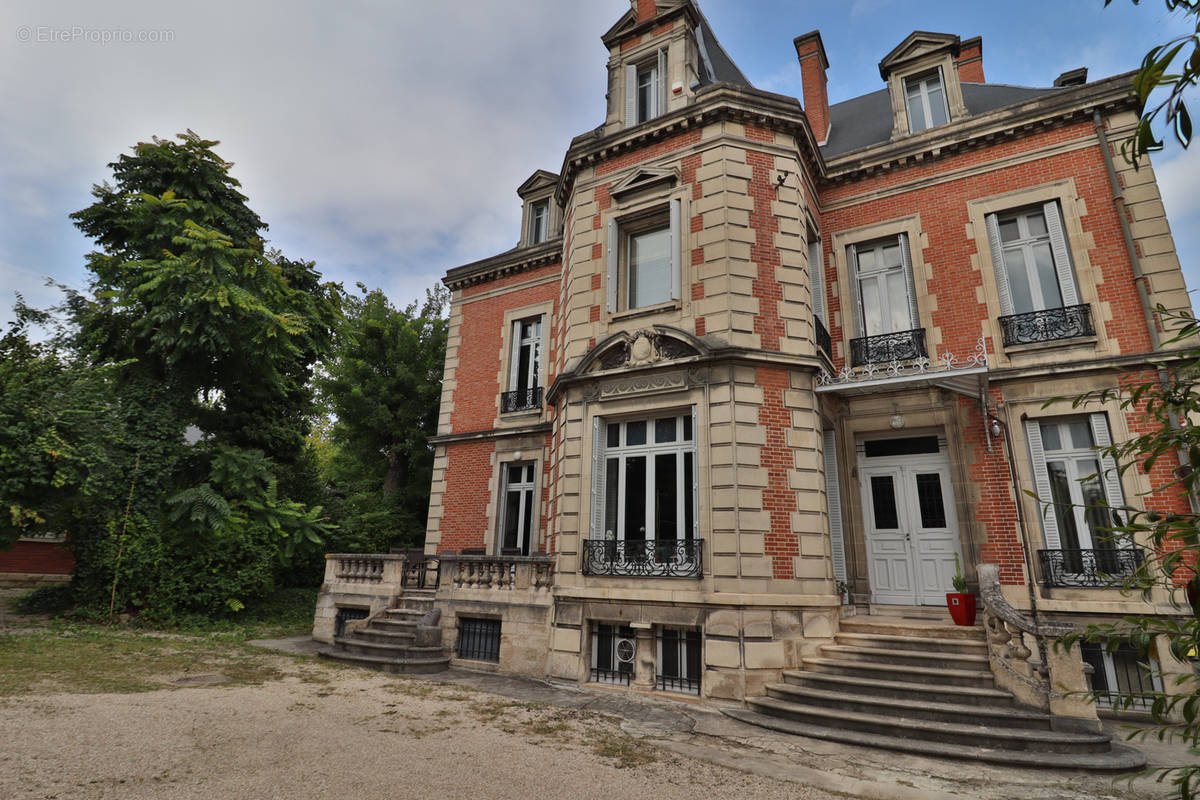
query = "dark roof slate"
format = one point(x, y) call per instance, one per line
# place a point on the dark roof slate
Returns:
point(724, 70)
point(867, 120)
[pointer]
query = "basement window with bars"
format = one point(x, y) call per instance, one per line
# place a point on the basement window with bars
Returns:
point(1123, 679)
point(678, 660)
point(614, 648)
point(478, 639)
point(345, 615)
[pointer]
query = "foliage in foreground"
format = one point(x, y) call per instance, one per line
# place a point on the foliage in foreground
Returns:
point(1173, 402)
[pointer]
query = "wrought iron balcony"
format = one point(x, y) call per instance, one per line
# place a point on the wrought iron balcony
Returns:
point(1050, 325)
point(664, 558)
point(824, 340)
point(1089, 568)
point(521, 400)
point(888, 348)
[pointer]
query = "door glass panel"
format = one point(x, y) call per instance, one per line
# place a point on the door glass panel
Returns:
point(635, 433)
point(1050, 437)
point(612, 489)
point(883, 499)
point(1060, 494)
point(666, 497)
point(1047, 277)
point(687, 428)
point(526, 524)
point(635, 495)
point(872, 312)
point(907, 446)
point(514, 473)
point(1081, 435)
point(614, 434)
point(1018, 281)
point(929, 497)
point(512, 516)
point(897, 291)
point(1097, 513)
point(689, 499)
point(664, 430)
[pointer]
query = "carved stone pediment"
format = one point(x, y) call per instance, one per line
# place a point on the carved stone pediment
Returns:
point(644, 178)
point(641, 348)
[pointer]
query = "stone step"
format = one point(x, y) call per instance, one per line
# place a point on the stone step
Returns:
point(907, 657)
point(901, 672)
point(391, 650)
point(398, 613)
point(983, 736)
point(393, 625)
point(1120, 757)
point(893, 626)
point(409, 665)
point(926, 643)
point(957, 713)
point(370, 634)
point(967, 695)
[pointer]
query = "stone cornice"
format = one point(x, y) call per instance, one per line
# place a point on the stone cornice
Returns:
point(720, 101)
point(518, 260)
point(1010, 122)
point(493, 433)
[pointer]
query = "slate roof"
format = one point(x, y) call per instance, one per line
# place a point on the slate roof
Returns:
point(723, 68)
point(867, 120)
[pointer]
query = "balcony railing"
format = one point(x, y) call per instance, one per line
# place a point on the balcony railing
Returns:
point(1050, 325)
point(521, 400)
point(664, 558)
point(889, 347)
point(824, 340)
point(1089, 568)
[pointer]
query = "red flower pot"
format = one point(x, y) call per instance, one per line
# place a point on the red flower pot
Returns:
point(962, 607)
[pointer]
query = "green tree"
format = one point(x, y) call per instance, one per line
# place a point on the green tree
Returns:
point(1173, 402)
point(382, 388)
point(1182, 54)
point(55, 429)
point(217, 338)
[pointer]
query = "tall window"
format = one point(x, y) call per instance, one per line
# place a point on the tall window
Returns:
point(524, 377)
point(883, 283)
point(644, 267)
point(648, 480)
point(517, 515)
point(1080, 484)
point(926, 99)
point(646, 89)
point(539, 222)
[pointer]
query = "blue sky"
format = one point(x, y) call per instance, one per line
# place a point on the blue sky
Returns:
point(385, 140)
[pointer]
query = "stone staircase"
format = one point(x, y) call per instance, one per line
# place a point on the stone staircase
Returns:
point(923, 687)
point(395, 640)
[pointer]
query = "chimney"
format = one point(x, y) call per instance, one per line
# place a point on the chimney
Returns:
point(970, 61)
point(646, 9)
point(813, 65)
point(1072, 77)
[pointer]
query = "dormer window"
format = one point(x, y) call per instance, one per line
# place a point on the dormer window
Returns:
point(539, 222)
point(926, 98)
point(646, 89)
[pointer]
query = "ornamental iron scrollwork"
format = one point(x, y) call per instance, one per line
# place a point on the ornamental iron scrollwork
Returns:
point(1103, 568)
point(905, 368)
point(1049, 325)
point(888, 348)
point(663, 558)
point(824, 340)
point(521, 400)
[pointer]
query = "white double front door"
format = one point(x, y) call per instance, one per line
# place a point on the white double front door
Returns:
point(911, 528)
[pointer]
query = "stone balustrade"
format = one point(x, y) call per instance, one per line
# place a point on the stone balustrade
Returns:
point(497, 573)
point(1027, 661)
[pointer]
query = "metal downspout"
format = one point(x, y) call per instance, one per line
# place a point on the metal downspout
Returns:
point(1139, 278)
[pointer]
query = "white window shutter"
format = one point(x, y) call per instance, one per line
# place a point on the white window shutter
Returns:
point(660, 93)
point(993, 232)
point(676, 246)
point(1041, 483)
point(1062, 254)
point(860, 323)
point(515, 356)
point(543, 333)
point(630, 96)
point(909, 282)
point(598, 493)
point(816, 269)
point(833, 499)
point(612, 263)
point(1110, 476)
point(695, 477)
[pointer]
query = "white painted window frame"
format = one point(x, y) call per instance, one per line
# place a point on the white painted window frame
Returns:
point(1060, 253)
point(537, 357)
point(527, 487)
point(879, 274)
point(620, 232)
point(916, 87)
